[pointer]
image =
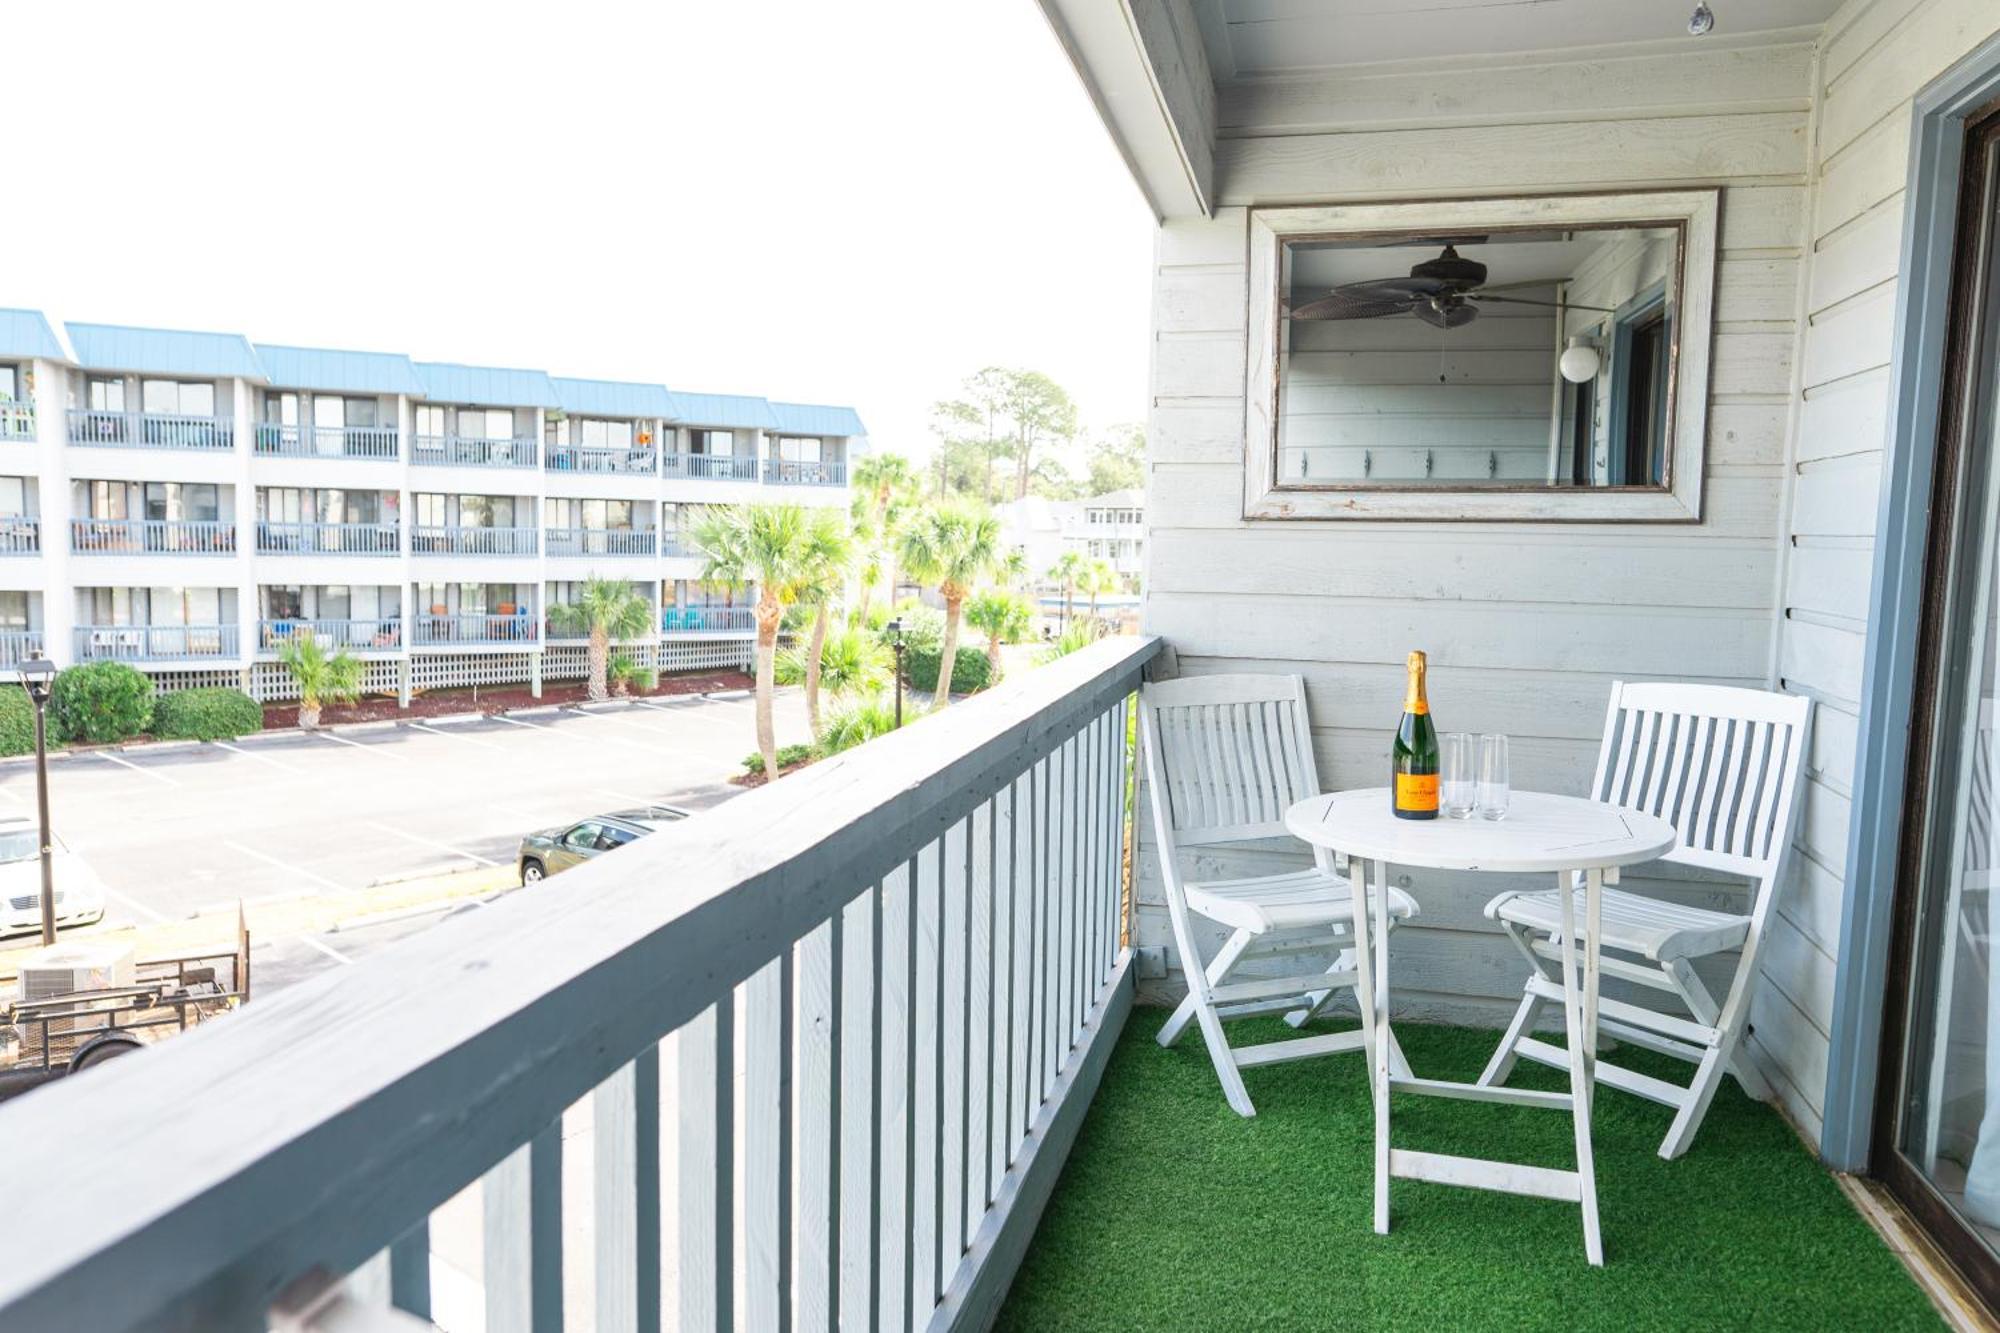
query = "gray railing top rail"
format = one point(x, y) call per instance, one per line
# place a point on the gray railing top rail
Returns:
point(312, 1128)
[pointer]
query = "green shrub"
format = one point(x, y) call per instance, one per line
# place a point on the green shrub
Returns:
point(100, 701)
point(17, 721)
point(787, 756)
point(862, 722)
point(969, 670)
point(216, 714)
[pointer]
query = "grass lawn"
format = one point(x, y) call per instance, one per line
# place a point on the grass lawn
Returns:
point(1173, 1213)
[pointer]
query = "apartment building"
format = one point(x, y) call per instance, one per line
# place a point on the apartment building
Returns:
point(1109, 527)
point(187, 501)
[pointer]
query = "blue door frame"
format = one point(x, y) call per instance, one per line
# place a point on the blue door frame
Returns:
point(1902, 528)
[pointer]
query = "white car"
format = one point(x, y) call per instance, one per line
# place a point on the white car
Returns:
point(79, 892)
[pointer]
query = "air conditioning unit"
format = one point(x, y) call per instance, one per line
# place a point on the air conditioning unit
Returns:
point(62, 969)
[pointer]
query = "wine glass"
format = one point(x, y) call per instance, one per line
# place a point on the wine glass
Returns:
point(1494, 791)
point(1460, 774)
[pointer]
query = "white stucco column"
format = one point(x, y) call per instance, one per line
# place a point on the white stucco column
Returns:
point(51, 399)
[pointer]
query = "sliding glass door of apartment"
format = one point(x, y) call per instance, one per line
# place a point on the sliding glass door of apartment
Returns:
point(1938, 1116)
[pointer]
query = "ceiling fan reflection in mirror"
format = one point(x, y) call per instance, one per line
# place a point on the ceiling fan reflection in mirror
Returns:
point(1446, 292)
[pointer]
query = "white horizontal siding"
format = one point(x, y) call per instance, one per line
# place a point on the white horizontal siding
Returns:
point(1875, 56)
point(1527, 625)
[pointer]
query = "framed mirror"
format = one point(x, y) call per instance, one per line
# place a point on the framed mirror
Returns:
point(1493, 359)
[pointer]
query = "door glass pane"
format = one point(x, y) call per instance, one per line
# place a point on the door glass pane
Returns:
point(1948, 1115)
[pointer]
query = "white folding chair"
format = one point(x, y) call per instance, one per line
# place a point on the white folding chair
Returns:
point(1723, 766)
point(1225, 757)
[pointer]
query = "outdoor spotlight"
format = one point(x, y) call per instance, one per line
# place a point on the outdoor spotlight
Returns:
point(1702, 21)
point(37, 676)
point(1579, 362)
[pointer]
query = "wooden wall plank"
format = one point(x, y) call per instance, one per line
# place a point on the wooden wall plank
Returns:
point(625, 1140)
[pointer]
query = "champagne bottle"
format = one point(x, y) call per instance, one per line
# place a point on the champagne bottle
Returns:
point(1415, 757)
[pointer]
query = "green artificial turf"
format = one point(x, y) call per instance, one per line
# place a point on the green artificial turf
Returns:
point(1173, 1213)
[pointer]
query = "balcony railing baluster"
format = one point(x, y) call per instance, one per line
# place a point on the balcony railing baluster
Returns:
point(710, 467)
point(372, 634)
point(151, 430)
point(601, 541)
point(474, 627)
point(382, 539)
point(377, 443)
point(473, 541)
point(467, 451)
point(153, 643)
point(151, 536)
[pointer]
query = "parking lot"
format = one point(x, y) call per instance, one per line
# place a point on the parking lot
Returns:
point(179, 830)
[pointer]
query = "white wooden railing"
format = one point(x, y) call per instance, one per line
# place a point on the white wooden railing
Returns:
point(600, 541)
point(805, 472)
point(473, 541)
point(20, 534)
point(152, 536)
point(328, 538)
point(18, 645)
point(17, 421)
point(275, 439)
point(151, 430)
point(151, 643)
point(833, 1039)
point(474, 627)
point(708, 620)
point(473, 451)
point(372, 634)
point(586, 458)
point(711, 467)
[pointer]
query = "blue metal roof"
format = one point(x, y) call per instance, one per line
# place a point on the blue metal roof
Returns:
point(724, 409)
point(614, 398)
point(24, 333)
point(486, 385)
point(817, 419)
point(339, 372)
point(164, 351)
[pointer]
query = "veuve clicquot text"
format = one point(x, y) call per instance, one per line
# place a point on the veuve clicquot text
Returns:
point(1415, 758)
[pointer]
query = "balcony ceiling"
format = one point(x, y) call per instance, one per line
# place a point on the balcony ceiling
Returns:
point(1247, 38)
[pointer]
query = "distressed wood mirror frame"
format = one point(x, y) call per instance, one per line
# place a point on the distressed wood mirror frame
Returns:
point(1693, 213)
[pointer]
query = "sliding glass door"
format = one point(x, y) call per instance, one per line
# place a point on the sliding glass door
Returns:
point(1938, 1119)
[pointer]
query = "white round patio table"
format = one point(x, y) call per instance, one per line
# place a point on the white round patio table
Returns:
point(1567, 836)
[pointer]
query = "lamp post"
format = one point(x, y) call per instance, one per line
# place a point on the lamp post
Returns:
point(37, 673)
point(895, 628)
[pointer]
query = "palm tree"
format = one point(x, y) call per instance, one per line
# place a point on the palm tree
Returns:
point(885, 487)
point(605, 610)
point(1003, 617)
point(1068, 571)
point(951, 547)
point(770, 545)
point(852, 661)
point(321, 679)
point(829, 551)
point(1098, 577)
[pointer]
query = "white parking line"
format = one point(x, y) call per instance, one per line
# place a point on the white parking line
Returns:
point(260, 758)
point(432, 843)
point(126, 763)
point(327, 949)
point(285, 866)
point(134, 905)
point(371, 749)
point(656, 751)
point(454, 736)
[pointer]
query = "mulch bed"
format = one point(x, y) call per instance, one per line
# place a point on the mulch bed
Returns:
point(490, 699)
point(757, 779)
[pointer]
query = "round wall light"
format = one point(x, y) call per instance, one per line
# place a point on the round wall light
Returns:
point(1580, 362)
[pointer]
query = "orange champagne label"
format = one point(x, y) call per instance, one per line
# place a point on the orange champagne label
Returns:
point(1416, 791)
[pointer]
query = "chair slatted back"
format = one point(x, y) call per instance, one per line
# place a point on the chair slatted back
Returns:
point(1228, 754)
point(1723, 765)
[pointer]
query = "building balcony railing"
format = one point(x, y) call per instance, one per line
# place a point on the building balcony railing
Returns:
point(893, 980)
point(151, 430)
point(580, 458)
point(473, 541)
point(370, 442)
point(18, 645)
point(802, 472)
point(151, 536)
point(710, 467)
point(369, 635)
point(153, 643)
point(601, 541)
point(474, 627)
point(708, 620)
point(465, 451)
point(385, 539)
point(17, 421)
point(20, 534)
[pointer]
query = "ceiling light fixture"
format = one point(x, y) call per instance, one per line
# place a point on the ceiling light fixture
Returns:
point(1579, 362)
point(1702, 21)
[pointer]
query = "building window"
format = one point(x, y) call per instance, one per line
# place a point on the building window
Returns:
point(106, 395)
point(177, 398)
point(715, 443)
point(606, 434)
point(799, 450)
point(431, 420)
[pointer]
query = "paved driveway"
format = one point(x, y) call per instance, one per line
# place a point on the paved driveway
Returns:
point(177, 830)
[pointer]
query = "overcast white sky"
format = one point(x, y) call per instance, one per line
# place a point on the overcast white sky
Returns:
point(854, 203)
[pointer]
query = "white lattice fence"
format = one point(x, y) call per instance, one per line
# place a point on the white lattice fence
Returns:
point(442, 671)
point(166, 682)
point(271, 683)
point(570, 661)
